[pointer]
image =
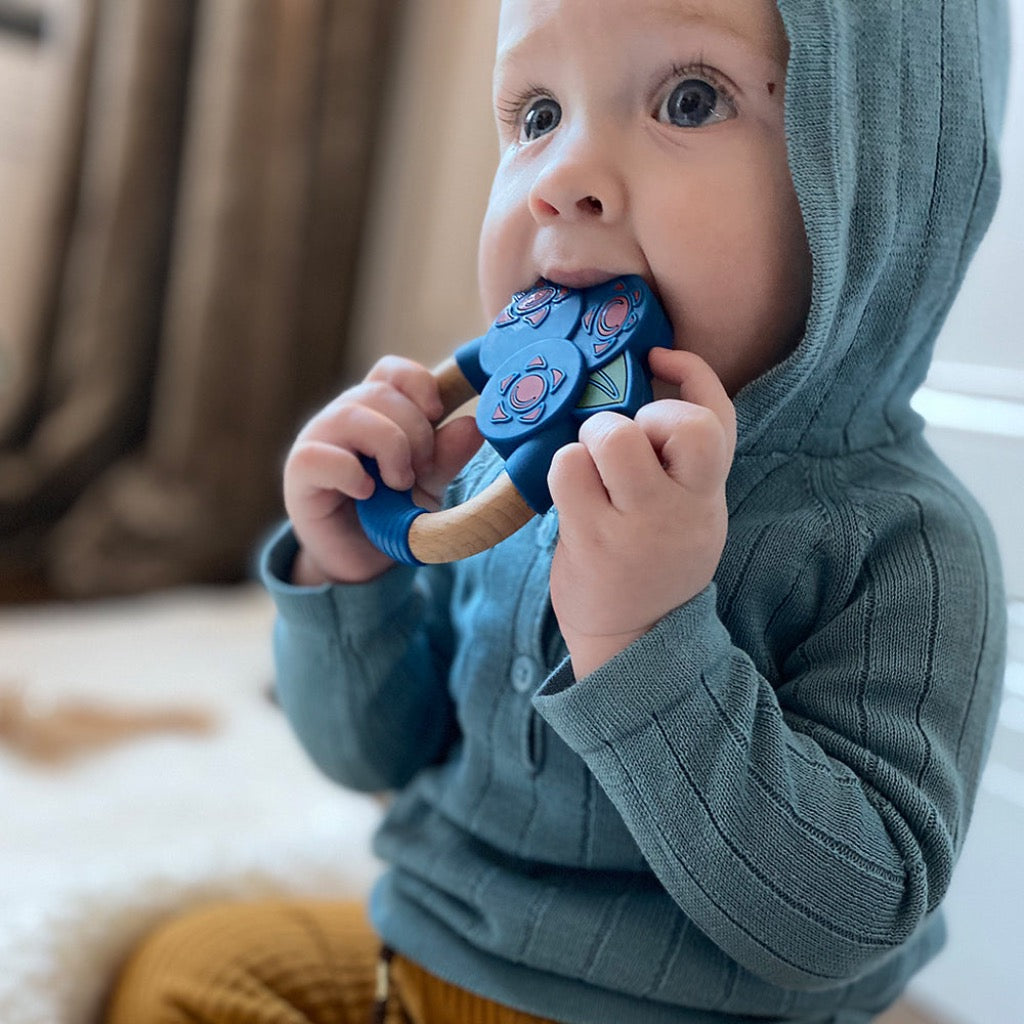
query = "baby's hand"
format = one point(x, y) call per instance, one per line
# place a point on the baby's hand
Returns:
point(642, 511)
point(390, 417)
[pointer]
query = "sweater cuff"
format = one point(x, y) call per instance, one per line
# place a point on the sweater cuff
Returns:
point(347, 609)
point(653, 673)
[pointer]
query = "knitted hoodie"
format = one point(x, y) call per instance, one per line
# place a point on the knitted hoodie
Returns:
point(754, 811)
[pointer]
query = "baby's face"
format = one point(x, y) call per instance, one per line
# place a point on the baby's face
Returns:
point(646, 137)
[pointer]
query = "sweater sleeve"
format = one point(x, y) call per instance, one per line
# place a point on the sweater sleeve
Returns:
point(807, 825)
point(361, 669)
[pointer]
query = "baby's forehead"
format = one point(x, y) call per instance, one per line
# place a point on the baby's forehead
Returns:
point(755, 22)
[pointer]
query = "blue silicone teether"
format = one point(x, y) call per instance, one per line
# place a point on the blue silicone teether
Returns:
point(552, 358)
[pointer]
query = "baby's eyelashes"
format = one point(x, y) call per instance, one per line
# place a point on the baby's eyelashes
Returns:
point(694, 103)
point(692, 97)
point(695, 96)
point(529, 114)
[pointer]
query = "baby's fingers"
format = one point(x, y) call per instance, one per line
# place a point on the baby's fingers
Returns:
point(320, 474)
point(623, 458)
point(454, 445)
point(327, 453)
point(376, 420)
point(697, 383)
point(411, 379)
point(576, 487)
point(690, 441)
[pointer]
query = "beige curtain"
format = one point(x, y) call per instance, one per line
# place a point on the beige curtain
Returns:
point(193, 283)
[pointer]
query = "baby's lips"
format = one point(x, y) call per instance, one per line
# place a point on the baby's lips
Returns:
point(574, 275)
point(579, 279)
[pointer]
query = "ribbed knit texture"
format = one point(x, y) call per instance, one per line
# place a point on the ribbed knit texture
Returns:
point(754, 810)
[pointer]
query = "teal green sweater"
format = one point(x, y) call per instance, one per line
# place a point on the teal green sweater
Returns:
point(755, 810)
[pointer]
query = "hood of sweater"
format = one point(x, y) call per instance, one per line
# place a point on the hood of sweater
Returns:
point(893, 108)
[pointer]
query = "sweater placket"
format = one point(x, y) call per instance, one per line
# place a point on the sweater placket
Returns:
point(528, 667)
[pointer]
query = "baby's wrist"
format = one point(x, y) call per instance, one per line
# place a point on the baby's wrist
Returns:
point(306, 572)
point(589, 652)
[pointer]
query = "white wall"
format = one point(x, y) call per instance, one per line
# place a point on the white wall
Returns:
point(419, 292)
point(975, 395)
point(985, 326)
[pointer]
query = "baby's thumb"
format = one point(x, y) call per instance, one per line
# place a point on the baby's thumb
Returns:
point(454, 445)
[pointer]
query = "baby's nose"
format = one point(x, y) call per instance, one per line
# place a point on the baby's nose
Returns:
point(579, 183)
point(586, 205)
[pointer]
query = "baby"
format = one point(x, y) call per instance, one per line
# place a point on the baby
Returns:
point(701, 744)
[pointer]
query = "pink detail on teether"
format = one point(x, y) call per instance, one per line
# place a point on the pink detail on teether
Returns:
point(528, 391)
point(613, 316)
point(540, 296)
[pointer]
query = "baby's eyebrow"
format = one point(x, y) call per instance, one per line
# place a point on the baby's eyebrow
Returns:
point(510, 50)
point(764, 37)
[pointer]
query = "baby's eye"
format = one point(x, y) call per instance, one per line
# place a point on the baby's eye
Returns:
point(693, 103)
point(542, 116)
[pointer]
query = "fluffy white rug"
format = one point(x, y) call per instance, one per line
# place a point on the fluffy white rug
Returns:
point(95, 852)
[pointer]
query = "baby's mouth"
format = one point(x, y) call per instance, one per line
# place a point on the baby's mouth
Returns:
point(579, 279)
point(590, 277)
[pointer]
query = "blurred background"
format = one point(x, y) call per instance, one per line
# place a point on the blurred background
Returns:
point(213, 215)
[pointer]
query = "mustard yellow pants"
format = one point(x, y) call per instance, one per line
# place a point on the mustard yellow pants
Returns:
point(294, 962)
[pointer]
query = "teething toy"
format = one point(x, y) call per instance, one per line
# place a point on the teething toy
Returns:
point(553, 357)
